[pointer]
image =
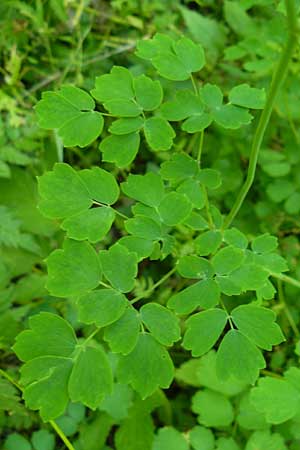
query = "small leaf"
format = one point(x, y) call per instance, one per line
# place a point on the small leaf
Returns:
point(159, 134)
point(232, 117)
point(148, 188)
point(144, 227)
point(237, 356)
point(126, 125)
point(118, 84)
point(119, 267)
point(149, 93)
point(260, 440)
point(201, 438)
point(122, 335)
point(235, 237)
point(248, 97)
point(142, 247)
point(70, 111)
point(193, 191)
point(208, 242)
point(277, 399)
point(174, 208)
point(91, 225)
point(212, 96)
point(210, 178)
point(42, 440)
point(120, 150)
point(101, 185)
point(101, 307)
point(258, 324)
point(205, 293)
point(169, 438)
point(91, 378)
point(214, 409)
point(227, 260)
point(179, 167)
point(185, 104)
point(203, 330)
point(162, 323)
point(191, 266)
point(73, 270)
point(264, 243)
point(147, 367)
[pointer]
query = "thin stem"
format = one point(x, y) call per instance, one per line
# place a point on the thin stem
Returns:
point(278, 77)
point(286, 309)
point(286, 279)
point(200, 147)
point(158, 283)
point(194, 84)
point(207, 208)
point(61, 434)
point(54, 425)
point(228, 315)
point(105, 285)
point(115, 210)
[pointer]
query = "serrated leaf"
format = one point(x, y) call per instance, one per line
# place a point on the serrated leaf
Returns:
point(237, 356)
point(148, 93)
point(191, 266)
point(248, 97)
point(126, 125)
point(208, 242)
point(214, 409)
point(174, 208)
point(227, 260)
point(91, 225)
point(147, 367)
point(203, 330)
point(258, 324)
point(205, 293)
point(159, 134)
point(123, 334)
point(161, 323)
point(101, 307)
point(148, 188)
point(73, 270)
point(277, 399)
point(70, 111)
point(119, 267)
point(91, 378)
point(120, 150)
point(169, 438)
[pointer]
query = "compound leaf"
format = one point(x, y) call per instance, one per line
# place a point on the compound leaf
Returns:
point(162, 323)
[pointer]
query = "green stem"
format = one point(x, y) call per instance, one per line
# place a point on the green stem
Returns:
point(53, 424)
point(158, 283)
point(286, 309)
point(115, 210)
point(200, 147)
point(286, 279)
point(194, 84)
point(278, 77)
point(207, 208)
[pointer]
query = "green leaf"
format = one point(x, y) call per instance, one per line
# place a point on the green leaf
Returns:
point(147, 367)
point(122, 335)
point(148, 188)
point(119, 267)
point(264, 243)
point(91, 378)
point(70, 111)
point(101, 185)
point(205, 293)
point(249, 276)
point(227, 260)
point(91, 225)
point(159, 134)
point(174, 208)
point(179, 167)
point(260, 440)
point(232, 117)
point(142, 247)
point(249, 417)
point(62, 192)
point(203, 330)
point(118, 402)
point(214, 409)
point(73, 270)
point(258, 324)
point(162, 323)
point(148, 93)
point(212, 96)
point(118, 84)
point(235, 237)
point(43, 440)
point(201, 438)
point(16, 441)
point(191, 266)
point(169, 438)
point(120, 150)
point(277, 399)
point(237, 356)
point(211, 178)
point(191, 54)
point(101, 307)
point(248, 97)
point(126, 125)
point(49, 334)
point(144, 227)
point(193, 191)
point(208, 242)
point(185, 104)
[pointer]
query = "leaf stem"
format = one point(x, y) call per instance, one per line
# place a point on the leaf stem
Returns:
point(194, 84)
point(200, 147)
point(286, 309)
point(53, 424)
point(115, 210)
point(278, 77)
point(150, 290)
point(286, 279)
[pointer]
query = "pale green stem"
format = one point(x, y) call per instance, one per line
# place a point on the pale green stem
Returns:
point(194, 84)
point(286, 309)
point(286, 279)
point(158, 283)
point(200, 147)
point(278, 77)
